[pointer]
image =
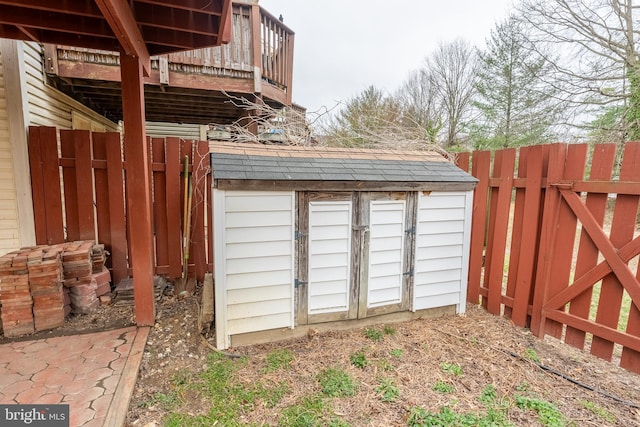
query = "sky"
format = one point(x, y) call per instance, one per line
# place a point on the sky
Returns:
point(343, 46)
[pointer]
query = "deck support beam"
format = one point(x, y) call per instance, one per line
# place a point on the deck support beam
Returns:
point(138, 183)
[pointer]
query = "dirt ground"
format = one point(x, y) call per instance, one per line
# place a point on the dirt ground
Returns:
point(487, 349)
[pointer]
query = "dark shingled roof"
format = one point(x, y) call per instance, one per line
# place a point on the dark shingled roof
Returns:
point(277, 163)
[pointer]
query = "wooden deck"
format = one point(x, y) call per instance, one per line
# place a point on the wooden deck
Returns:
point(258, 60)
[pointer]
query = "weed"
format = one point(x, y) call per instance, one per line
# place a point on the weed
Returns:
point(385, 365)
point(387, 390)
point(488, 395)
point(373, 334)
point(523, 387)
point(419, 417)
point(389, 330)
point(531, 354)
point(278, 359)
point(359, 359)
point(396, 352)
point(442, 387)
point(599, 411)
point(335, 422)
point(451, 368)
point(336, 383)
point(548, 414)
point(182, 377)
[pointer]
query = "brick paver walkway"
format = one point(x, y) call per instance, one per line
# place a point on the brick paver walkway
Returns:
point(85, 371)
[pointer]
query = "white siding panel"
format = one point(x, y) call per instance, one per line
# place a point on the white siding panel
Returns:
point(441, 249)
point(9, 223)
point(179, 130)
point(254, 262)
point(385, 252)
point(329, 256)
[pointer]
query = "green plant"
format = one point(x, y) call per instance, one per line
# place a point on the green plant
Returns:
point(278, 359)
point(385, 365)
point(336, 383)
point(443, 387)
point(389, 330)
point(451, 368)
point(387, 390)
point(523, 387)
point(419, 417)
point(335, 422)
point(167, 402)
point(373, 334)
point(396, 352)
point(307, 413)
point(359, 359)
point(272, 395)
point(548, 414)
point(488, 394)
point(599, 411)
point(531, 354)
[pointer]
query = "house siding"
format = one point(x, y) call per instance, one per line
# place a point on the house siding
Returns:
point(9, 218)
point(179, 130)
point(442, 246)
point(255, 259)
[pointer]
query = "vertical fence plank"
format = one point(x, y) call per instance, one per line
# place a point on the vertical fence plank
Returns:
point(622, 230)
point(587, 258)
point(37, 185)
point(556, 161)
point(529, 236)
point(84, 184)
point(68, 158)
point(503, 169)
point(200, 170)
point(173, 206)
point(516, 232)
point(565, 234)
point(51, 185)
point(480, 169)
point(103, 218)
point(115, 173)
point(160, 212)
point(462, 161)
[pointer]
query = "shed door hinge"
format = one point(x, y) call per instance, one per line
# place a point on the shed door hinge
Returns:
point(299, 234)
point(408, 273)
point(410, 230)
point(297, 283)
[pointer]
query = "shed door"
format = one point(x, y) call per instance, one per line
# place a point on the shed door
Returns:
point(329, 272)
point(384, 285)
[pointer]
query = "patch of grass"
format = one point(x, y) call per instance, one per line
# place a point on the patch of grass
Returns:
point(396, 352)
point(443, 387)
point(419, 417)
point(387, 390)
point(389, 330)
point(272, 395)
point(488, 395)
point(530, 354)
point(336, 422)
point(451, 368)
point(278, 359)
point(548, 414)
point(599, 411)
point(167, 402)
point(359, 359)
point(373, 334)
point(307, 413)
point(336, 383)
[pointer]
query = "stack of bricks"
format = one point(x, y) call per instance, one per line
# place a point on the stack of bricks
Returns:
point(17, 314)
point(78, 276)
point(45, 283)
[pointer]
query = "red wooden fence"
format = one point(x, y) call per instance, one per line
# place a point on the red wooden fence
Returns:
point(539, 245)
point(79, 193)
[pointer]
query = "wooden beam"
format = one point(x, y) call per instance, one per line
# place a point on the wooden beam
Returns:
point(258, 185)
point(121, 20)
point(224, 30)
point(212, 7)
point(138, 187)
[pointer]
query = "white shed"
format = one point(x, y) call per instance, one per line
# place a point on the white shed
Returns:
point(333, 238)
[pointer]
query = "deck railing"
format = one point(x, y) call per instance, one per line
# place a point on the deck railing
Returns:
point(261, 45)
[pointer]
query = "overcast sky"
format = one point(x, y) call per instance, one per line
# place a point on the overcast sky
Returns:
point(343, 46)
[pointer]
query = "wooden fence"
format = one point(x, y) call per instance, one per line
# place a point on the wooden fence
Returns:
point(78, 187)
point(553, 243)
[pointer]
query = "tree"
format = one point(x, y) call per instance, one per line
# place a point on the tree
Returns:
point(420, 105)
point(600, 67)
point(451, 70)
point(515, 106)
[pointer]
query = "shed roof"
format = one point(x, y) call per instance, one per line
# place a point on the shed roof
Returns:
point(335, 169)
